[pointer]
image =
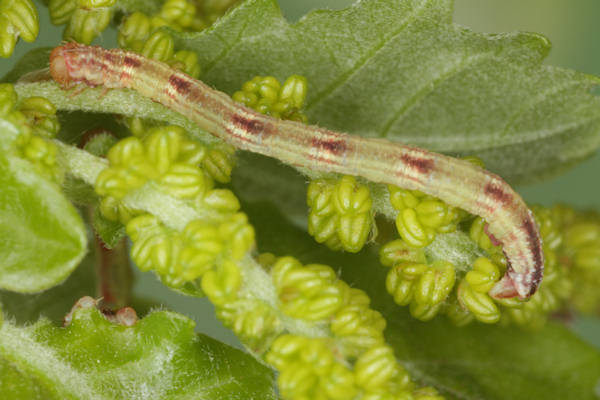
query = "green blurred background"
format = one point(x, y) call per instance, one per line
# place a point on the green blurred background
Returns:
point(573, 26)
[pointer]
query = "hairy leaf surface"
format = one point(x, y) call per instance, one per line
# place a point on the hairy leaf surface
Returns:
point(52, 303)
point(403, 71)
point(42, 237)
point(160, 357)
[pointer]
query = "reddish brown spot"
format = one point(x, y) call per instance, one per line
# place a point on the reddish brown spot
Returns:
point(493, 238)
point(535, 245)
point(332, 145)
point(249, 125)
point(181, 85)
point(131, 62)
point(497, 194)
point(421, 164)
point(111, 57)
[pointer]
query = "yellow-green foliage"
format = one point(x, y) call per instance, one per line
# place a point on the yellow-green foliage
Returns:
point(473, 290)
point(18, 18)
point(310, 292)
point(580, 254)
point(85, 19)
point(253, 321)
point(341, 214)
point(37, 122)
point(420, 216)
point(177, 165)
point(314, 293)
point(267, 95)
point(141, 33)
point(415, 282)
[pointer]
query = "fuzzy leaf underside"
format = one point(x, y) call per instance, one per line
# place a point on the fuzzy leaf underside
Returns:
point(42, 237)
point(158, 358)
point(53, 303)
point(470, 363)
point(403, 71)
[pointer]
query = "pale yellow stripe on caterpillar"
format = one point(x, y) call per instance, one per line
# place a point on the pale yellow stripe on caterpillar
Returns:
point(457, 182)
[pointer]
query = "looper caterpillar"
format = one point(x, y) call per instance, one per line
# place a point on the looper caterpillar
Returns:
point(457, 182)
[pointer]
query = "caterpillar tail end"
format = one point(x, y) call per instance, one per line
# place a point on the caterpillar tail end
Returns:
point(505, 288)
point(521, 284)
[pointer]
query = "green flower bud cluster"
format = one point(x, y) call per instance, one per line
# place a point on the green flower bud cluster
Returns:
point(177, 14)
point(310, 369)
point(41, 152)
point(85, 19)
point(218, 162)
point(253, 321)
point(205, 252)
point(10, 111)
point(355, 325)
point(479, 234)
point(580, 252)
point(141, 33)
point(314, 293)
point(267, 95)
point(41, 116)
point(35, 117)
point(321, 367)
point(18, 18)
point(421, 216)
point(472, 292)
point(415, 282)
point(341, 213)
point(310, 292)
point(172, 162)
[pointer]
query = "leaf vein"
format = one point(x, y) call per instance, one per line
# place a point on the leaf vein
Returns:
point(429, 87)
point(362, 61)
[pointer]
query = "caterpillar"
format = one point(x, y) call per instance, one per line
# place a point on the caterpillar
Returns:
point(457, 182)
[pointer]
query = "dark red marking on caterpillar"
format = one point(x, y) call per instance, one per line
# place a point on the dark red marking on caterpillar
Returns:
point(131, 62)
point(181, 85)
point(248, 124)
point(534, 242)
point(334, 146)
point(422, 165)
point(497, 193)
